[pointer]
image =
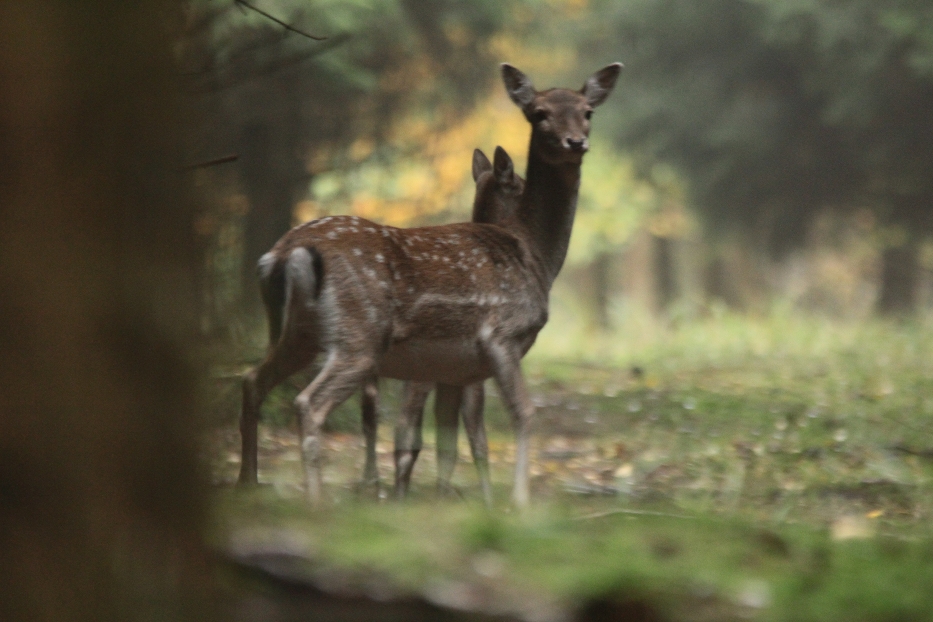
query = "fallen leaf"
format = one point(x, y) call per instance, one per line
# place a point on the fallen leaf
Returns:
point(851, 528)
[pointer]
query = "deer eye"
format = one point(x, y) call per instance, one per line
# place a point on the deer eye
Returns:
point(538, 115)
point(588, 114)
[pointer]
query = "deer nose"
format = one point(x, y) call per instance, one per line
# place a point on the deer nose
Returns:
point(576, 144)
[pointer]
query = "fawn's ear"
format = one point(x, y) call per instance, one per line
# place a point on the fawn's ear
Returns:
point(599, 85)
point(481, 164)
point(518, 86)
point(502, 166)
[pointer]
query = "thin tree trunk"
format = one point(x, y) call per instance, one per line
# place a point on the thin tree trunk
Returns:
point(601, 273)
point(716, 281)
point(664, 277)
point(899, 270)
point(269, 171)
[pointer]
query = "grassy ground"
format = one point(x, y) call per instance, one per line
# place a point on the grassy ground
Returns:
point(726, 468)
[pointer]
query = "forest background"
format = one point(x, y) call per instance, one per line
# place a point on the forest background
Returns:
point(759, 155)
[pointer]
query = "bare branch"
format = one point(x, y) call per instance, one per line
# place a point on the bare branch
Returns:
point(223, 160)
point(243, 3)
point(218, 78)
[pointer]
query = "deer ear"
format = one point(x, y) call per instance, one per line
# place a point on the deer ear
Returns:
point(481, 164)
point(518, 86)
point(599, 85)
point(502, 166)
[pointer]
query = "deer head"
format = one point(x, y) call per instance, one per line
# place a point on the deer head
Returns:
point(498, 187)
point(560, 118)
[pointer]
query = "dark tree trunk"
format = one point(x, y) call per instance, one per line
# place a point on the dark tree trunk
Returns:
point(899, 270)
point(271, 171)
point(100, 506)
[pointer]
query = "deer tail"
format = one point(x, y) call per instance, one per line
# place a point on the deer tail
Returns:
point(294, 279)
point(272, 290)
point(282, 278)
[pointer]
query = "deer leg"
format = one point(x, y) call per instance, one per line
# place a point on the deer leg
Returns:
point(447, 401)
point(473, 404)
point(257, 383)
point(368, 400)
point(341, 376)
point(408, 434)
point(506, 363)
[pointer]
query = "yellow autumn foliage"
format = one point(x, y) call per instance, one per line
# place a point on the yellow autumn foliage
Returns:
point(434, 180)
point(617, 202)
point(434, 183)
point(429, 179)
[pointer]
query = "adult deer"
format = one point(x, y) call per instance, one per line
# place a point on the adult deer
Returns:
point(559, 118)
point(451, 304)
point(498, 192)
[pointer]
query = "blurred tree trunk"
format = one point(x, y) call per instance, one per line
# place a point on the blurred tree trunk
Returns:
point(899, 272)
point(601, 271)
point(665, 281)
point(273, 174)
point(688, 261)
point(720, 284)
point(100, 502)
point(637, 271)
point(736, 275)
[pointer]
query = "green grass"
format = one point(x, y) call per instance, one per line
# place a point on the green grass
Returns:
point(774, 468)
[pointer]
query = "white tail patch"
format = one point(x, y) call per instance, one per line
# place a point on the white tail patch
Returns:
point(265, 265)
point(300, 281)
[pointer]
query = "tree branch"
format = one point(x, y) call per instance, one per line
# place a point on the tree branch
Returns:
point(229, 75)
point(243, 3)
point(222, 160)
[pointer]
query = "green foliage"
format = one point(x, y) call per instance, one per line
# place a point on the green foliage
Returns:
point(776, 108)
point(613, 205)
point(380, 60)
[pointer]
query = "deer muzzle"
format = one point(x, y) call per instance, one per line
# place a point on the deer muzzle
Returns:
point(576, 145)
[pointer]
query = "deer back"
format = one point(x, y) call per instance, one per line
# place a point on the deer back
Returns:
point(423, 292)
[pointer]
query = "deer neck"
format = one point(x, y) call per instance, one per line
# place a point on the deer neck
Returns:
point(547, 209)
